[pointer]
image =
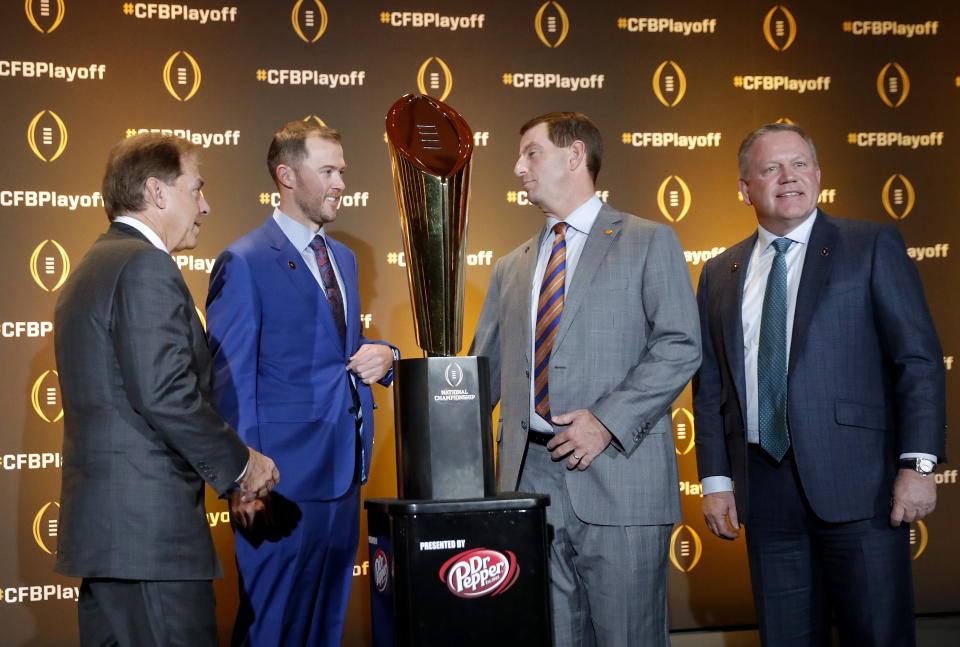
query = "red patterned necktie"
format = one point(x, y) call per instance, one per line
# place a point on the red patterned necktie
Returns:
point(549, 309)
point(330, 285)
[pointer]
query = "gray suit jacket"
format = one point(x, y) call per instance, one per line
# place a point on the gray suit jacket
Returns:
point(140, 437)
point(627, 343)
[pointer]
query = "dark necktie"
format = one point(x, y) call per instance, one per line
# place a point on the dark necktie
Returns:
point(549, 309)
point(772, 358)
point(330, 285)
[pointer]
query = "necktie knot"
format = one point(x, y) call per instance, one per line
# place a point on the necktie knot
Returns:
point(781, 244)
point(560, 229)
point(318, 243)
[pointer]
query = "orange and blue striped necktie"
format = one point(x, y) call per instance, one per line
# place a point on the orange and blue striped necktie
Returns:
point(549, 309)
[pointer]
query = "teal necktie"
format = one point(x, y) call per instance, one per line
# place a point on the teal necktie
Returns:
point(772, 358)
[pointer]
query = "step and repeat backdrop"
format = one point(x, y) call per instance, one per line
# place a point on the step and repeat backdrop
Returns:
point(673, 86)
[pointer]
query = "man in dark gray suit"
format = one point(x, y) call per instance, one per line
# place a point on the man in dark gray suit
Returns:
point(820, 406)
point(591, 330)
point(140, 435)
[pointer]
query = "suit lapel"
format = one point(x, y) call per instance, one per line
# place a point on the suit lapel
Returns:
point(817, 262)
point(731, 312)
point(606, 229)
point(526, 265)
point(292, 265)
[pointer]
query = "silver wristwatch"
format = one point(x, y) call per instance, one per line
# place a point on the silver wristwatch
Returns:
point(924, 466)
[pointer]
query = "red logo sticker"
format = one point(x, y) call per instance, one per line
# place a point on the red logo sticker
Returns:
point(479, 572)
point(381, 571)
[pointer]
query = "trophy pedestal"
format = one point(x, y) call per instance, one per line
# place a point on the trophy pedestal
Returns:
point(469, 573)
point(444, 439)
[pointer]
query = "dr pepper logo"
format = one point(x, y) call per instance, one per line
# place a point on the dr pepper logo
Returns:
point(480, 572)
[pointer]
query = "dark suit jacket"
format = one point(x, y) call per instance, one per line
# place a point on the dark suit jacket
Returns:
point(865, 374)
point(140, 435)
point(280, 373)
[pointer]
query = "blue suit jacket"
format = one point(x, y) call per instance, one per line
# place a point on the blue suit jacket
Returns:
point(865, 374)
point(279, 368)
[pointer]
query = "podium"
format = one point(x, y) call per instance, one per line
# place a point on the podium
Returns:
point(459, 572)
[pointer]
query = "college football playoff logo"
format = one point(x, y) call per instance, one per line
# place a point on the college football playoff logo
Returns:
point(918, 538)
point(893, 85)
point(779, 28)
point(673, 198)
point(45, 526)
point(434, 78)
point(45, 397)
point(669, 83)
point(898, 196)
point(685, 548)
point(39, 11)
point(683, 432)
point(49, 269)
point(177, 73)
point(309, 17)
point(551, 24)
point(47, 122)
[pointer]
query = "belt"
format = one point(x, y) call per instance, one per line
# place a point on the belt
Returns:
point(539, 437)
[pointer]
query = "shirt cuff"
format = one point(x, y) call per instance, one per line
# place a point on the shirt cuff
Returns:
point(929, 457)
point(240, 478)
point(714, 484)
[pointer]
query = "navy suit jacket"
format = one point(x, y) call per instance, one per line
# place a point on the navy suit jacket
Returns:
point(279, 366)
point(865, 374)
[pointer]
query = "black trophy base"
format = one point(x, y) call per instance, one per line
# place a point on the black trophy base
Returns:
point(464, 573)
point(444, 438)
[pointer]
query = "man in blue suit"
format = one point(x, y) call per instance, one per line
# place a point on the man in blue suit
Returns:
point(819, 406)
point(293, 375)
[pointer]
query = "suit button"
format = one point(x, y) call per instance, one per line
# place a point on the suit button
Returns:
point(636, 436)
point(523, 425)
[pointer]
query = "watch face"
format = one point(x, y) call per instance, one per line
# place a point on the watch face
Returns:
point(925, 465)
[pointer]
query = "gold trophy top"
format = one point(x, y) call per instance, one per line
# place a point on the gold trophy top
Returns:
point(430, 150)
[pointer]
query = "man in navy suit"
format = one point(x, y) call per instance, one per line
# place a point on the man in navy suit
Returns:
point(819, 406)
point(293, 374)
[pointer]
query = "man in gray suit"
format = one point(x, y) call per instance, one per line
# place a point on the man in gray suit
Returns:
point(140, 435)
point(591, 330)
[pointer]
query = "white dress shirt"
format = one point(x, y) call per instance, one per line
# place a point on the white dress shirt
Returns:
point(144, 229)
point(580, 222)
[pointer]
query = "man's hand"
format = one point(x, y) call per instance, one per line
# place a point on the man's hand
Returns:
point(261, 476)
point(371, 362)
point(583, 439)
point(248, 514)
point(717, 508)
point(914, 497)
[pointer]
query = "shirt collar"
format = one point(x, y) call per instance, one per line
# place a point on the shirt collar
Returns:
point(801, 234)
point(144, 229)
point(581, 218)
point(298, 235)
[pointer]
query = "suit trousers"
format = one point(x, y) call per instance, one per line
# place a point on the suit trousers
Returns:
point(608, 583)
point(135, 613)
point(295, 579)
point(802, 568)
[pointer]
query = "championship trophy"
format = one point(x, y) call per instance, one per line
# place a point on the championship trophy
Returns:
point(441, 401)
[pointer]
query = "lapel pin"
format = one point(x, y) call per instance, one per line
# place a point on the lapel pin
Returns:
point(291, 265)
point(608, 231)
point(824, 251)
point(735, 267)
